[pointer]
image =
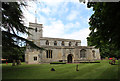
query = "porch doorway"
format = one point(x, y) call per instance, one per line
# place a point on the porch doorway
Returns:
point(69, 58)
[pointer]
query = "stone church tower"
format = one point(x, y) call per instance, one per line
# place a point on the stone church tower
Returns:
point(36, 31)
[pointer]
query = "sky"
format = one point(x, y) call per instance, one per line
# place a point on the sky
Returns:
point(66, 19)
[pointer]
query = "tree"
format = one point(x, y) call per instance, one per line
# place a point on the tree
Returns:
point(104, 26)
point(16, 55)
point(12, 24)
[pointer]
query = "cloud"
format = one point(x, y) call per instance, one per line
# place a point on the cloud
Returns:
point(55, 29)
point(73, 15)
point(42, 19)
point(29, 12)
point(81, 34)
point(71, 27)
point(45, 10)
point(32, 6)
point(60, 18)
point(28, 17)
point(63, 9)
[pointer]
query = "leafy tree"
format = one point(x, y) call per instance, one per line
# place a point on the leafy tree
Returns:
point(16, 55)
point(104, 26)
point(12, 24)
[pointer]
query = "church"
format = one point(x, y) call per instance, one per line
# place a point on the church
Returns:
point(57, 49)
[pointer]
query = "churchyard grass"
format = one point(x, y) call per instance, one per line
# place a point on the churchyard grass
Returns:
point(102, 70)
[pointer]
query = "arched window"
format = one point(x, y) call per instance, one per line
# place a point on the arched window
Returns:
point(55, 43)
point(76, 44)
point(93, 53)
point(70, 43)
point(47, 42)
point(35, 29)
point(82, 53)
point(62, 43)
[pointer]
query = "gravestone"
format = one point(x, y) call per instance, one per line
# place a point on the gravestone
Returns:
point(106, 58)
point(77, 67)
point(13, 64)
point(52, 69)
point(18, 62)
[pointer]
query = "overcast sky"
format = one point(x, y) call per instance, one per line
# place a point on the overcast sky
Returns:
point(61, 18)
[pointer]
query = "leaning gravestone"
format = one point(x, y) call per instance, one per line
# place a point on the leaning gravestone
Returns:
point(52, 69)
point(13, 64)
point(106, 58)
point(19, 61)
point(77, 67)
point(114, 58)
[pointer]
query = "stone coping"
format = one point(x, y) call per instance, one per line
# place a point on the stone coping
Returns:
point(67, 47)
point(59, 39)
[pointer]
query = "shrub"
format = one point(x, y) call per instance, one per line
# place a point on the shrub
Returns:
point(57, 63)
point(89, 62)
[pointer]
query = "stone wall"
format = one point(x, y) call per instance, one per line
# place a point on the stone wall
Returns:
point(62, 54)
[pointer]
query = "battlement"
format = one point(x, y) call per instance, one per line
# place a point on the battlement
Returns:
point(34, 25)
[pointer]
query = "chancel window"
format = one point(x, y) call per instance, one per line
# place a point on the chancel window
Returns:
point(55, 43)
point(48, 53)
point(82, 53)
point(35, 58)
point(47, 42)
point(70, 43)
point(62, 43)
point(93, 53)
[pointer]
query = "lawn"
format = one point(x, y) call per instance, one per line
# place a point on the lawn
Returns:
point(101, 70)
